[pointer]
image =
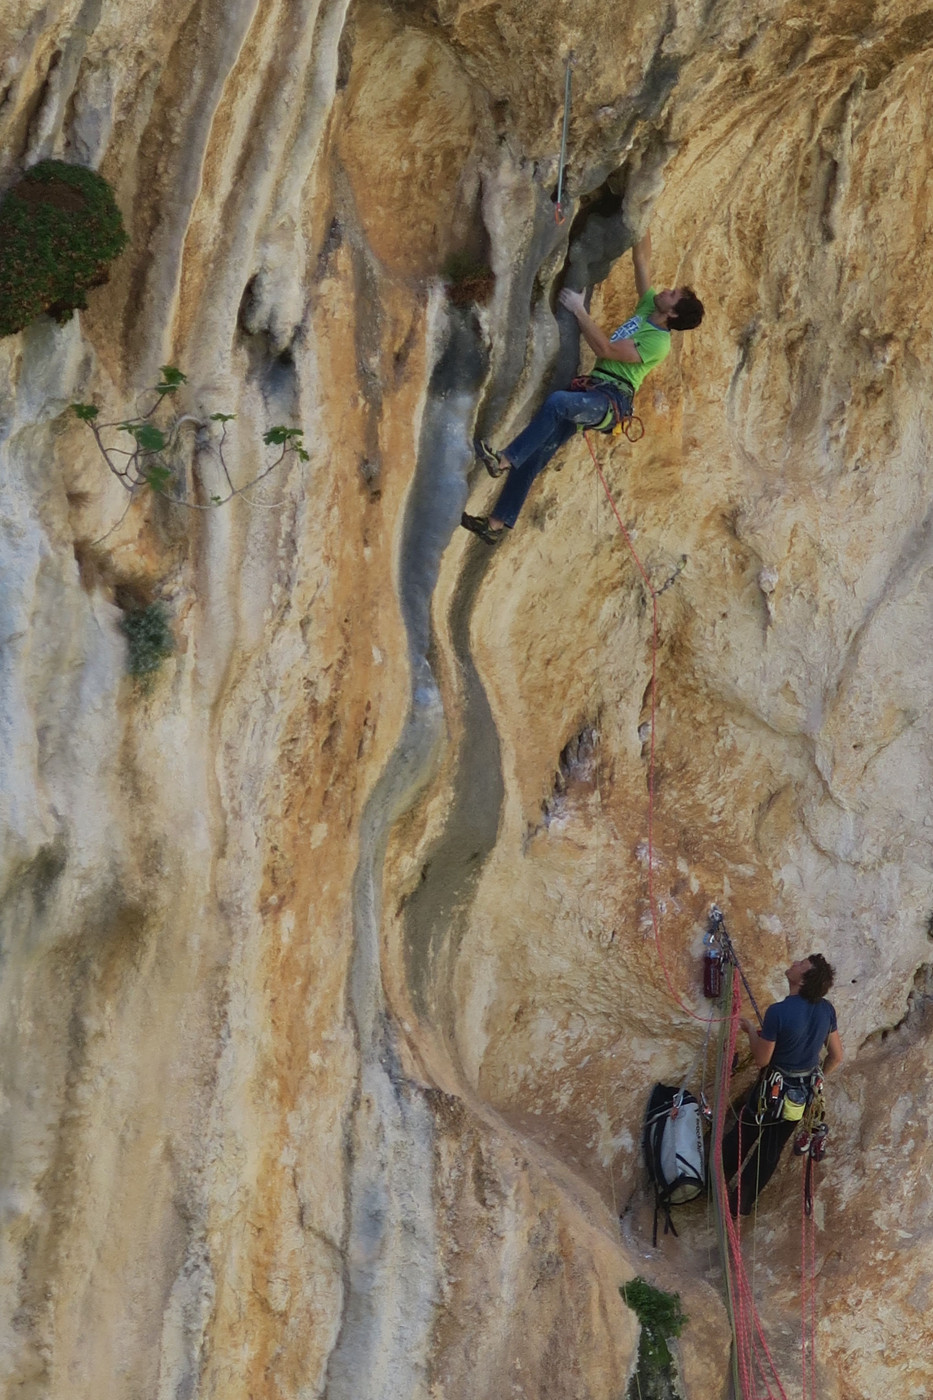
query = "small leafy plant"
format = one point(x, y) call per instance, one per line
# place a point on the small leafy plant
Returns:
point(146, 459)
point(60, 229)
point(662, 1319)
point(149, 640)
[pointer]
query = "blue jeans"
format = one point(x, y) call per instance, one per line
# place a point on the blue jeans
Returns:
point(554, 424)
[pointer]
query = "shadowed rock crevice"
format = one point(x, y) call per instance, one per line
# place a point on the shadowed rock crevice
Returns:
point(391, 1280)
point(454, 863)
point(437, 910)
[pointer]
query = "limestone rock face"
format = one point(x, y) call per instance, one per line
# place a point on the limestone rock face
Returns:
point(336, 964)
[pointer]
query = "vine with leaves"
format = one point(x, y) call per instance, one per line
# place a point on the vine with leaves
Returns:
point(146, 462)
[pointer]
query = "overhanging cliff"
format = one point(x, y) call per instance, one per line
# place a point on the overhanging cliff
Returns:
point(330, 1000)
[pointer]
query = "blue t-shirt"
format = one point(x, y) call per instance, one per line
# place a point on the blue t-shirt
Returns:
point(799, 1030)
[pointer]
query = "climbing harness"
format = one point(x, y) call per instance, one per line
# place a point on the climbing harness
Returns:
point(559, 215)
point(787, 1097)
point(615, 421)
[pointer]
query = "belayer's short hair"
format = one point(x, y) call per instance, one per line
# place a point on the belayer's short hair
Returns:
point(687, 314)
point(818, 978)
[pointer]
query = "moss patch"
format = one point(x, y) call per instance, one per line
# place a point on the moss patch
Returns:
point(60, 229)
point(661, 1319)
point(469, 281)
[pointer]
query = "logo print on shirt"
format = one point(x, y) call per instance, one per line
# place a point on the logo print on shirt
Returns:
point(627, 330)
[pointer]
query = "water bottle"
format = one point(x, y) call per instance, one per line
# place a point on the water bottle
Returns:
point(712, 972)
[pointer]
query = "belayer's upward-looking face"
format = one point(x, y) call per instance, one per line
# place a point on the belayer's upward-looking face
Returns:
point(797, 971)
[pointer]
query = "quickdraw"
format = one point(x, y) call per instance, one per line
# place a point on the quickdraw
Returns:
point(810, 1142)
point(559, 215)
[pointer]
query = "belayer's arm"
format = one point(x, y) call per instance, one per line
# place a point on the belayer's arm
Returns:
point(834, 1053)
point(761, 1049)
point(595, 337)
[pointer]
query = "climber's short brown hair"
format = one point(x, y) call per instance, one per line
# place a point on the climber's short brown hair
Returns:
point(687, 314)
point(818, 979)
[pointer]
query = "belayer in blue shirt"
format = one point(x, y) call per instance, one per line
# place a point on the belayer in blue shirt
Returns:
point(791, 1040)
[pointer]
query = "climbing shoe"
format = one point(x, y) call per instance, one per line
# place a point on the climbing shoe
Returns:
point(489, 458)
point(479, 524)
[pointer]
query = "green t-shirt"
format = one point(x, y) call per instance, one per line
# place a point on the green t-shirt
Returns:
point(652, 344)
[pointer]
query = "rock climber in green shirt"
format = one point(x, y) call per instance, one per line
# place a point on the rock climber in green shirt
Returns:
point(623, 359)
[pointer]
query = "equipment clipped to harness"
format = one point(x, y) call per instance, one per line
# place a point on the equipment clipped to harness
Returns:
point(795, 1103)
point(615, 421)
point(810, 1143)
point(789, 1097)
point(674, 1152)
point(769, 1106)
point(814, 1130)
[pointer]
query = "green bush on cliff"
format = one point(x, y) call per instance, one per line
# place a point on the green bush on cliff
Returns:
point(60, 229)
point(469, 281)
point(149, 462)
point(661, 1319)
point(149, 640)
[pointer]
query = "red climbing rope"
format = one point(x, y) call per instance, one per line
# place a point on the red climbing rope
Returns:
point(653, 594)
point(808, 1283)
point(757, 1372)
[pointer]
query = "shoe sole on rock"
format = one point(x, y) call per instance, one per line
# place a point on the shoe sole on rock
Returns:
point(489, 459)
point(479, 525)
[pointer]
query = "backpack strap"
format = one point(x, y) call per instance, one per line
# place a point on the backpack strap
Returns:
point(662, 1206)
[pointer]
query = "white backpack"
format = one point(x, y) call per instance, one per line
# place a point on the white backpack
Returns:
point(674, 1151)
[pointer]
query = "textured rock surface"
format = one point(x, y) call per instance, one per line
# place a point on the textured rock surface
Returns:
point(330, 1002)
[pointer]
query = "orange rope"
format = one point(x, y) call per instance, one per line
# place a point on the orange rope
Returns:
point(758, 1375)
point(756, 1364)
point(654, 594)
point(808, 1284)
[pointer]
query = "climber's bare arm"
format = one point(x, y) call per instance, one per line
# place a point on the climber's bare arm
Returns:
point(641, 259)
point(595, 337)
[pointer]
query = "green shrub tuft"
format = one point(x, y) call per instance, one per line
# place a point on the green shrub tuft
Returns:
point(60, 229)
point(470, 282)
point(149, 639)
point(661, 1318)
